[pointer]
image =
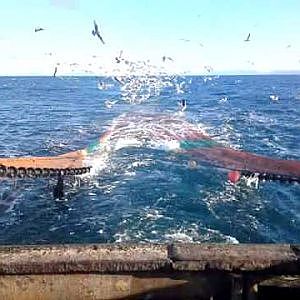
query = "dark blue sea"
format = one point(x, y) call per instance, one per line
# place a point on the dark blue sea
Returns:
point(144, 194)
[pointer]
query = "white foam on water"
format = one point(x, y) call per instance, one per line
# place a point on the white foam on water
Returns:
point(179, 237)
point(197, 234)
point(228, 238)
point(127, 142)
point(129, 174)
point(140, 163)
point(166, 145)
point(274, 97)
point(162, 132)
point(153, 214)
point(98, 162)
point(121, 237)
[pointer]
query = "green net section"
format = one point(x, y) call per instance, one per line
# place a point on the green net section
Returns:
point(92, 147)
point(189, 145)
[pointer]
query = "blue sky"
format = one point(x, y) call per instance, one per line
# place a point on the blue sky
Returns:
point(147, 30)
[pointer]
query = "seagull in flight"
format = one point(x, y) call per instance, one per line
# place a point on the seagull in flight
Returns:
point(55, 71)
point(118, 59)
point(248, 38)
point(38, 29)
point(95, 32)
point(119, 80)
point(164, 58)
point(208, 68)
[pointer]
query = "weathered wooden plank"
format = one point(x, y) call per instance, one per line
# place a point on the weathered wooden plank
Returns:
point(237, 258)
point(82, 258)
point(112, 258)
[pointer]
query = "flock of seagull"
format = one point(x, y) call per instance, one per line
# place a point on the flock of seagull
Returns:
point(118, 59)
point(95, 32)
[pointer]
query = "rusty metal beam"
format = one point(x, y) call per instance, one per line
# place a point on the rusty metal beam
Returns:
point(131, 271)
point(104, 286)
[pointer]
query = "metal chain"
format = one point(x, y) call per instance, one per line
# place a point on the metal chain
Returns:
point(13, 172)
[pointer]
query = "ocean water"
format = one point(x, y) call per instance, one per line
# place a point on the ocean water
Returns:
point(143, 194)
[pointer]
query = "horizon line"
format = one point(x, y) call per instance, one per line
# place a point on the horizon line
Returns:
point(285, 73)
